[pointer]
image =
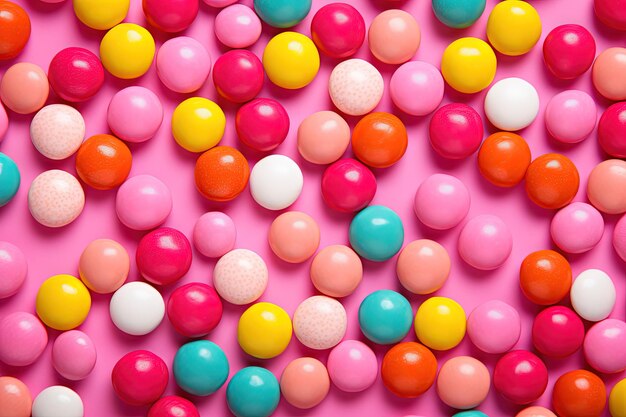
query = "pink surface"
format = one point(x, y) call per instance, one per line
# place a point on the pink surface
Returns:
point(51, 252)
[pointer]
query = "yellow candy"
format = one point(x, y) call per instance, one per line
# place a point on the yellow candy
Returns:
point(440, 323)
point(514, 27)
point(469, 65)
point(63, 302)
point(264, 330)
point(198, 124)
point(291, 60)
point(617, 399)
point(101, 14)
point(127, 51)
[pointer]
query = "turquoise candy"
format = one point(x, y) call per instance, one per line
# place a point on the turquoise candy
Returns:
point(376, 233)
point(200, 367)
point(458, 14)
point(470, 413)
point(253, 392)
point(385, 317)
point(9, 179)
point(282, 13)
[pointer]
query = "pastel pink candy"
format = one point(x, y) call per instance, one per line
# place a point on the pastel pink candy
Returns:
point(74, 355)
point(577, 228)
point(22, 339)
point(604, 346)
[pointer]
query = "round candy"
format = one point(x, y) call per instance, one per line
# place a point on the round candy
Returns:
point(494, 327)
point(264, 330)
point(552, 181)
point(214, 234)
point(514, 27)
point(14, 30)
point(237, 26)
point(376, 233)
point(458, 14)
point(15, 398)
point(74, 355)
point(609, 74)
point(558, 332)
point(294, 236)
point(135, 114)
point(139, 377)
point(485, 242)
point(13, 269)
point(604, 179)
point(240, 276)
point(55, 198)
point(463, 382)
point(99, 14)
point(471, 413)
point(221, 173)
point(282, 13)
point(394, 36)
point(612, 130)
point(455, 131)
point(4, 122)
point(276, 182)
point(355, 87)
point(238, 75)
point(9, 179)
point(617, 399)
point(320, 322)
point(579, 393)
point(262, 124)
point(593, 295)
point(163, 256)
point(103, 162)
point(338, 30)
point(24, 87)
point(76, 74)
point(198, 124)
point(379, 139)
point(423, 266)
point(441, 201)
point(440, 323)
point(535, 411)
point(219, 3)
point(571, 116)
point(290, 59)
point(416, 79)
point(57, 131)
point(170, 15)
point(352, 366)
point(577, 228)
point(569, 51)
point(137, 308)
point(409, 369)
point(336, 271)
point(503, 159)
point(304, 383)
point(173, 406)
point(143, 202)
point(604, 346)
point(512, 103)
point(194, 309)
point(22, 339)
point(323, 137)
point(253, 392)
point(619, 238)
point(63, 302)
point(58, 400)
point(127, 51)
point(468, 65)
point(200, 367)
point(545, 277)
point(182, 63)
point(611, 13)
point(348, 186)
point(520, 377)
point(385, 317)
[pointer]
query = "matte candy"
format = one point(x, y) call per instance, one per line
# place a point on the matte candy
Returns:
point(463, 382)
point(253, 392)
point(577, 228)
point(276, 182)
point(320, 322)
point(137, 308)
point(512, 104)
point(200, 367)
point(355, 87)
point(494, 326)
point(13, 269)
point(379, 139)
point(135, 114)
point(336, 271)
point(101, 14)
point(323, 137)
point(579, 393)
point(221, 173)
point(440, 323)
point(143, 202)
point(183, 64)
point(76, 74)
point(617, 403)
point(10, 179)
point(619, 238)
point(535, 411)
point(503, 159)
point(376, 233)
point(409, 369)
point(416, 79)
point(57, 131)
point(238, 75)
point(593, 295)
point(127, 51)
point(604, 179)
point(604, 346)
point(103, 162)
point(139, 377)
point(455, 131)
point(609, 74)
point(15, 398)
point(514, 27)
point(558, 332)
point(14, 30)
point(22, 339)
point(338, 30)
point(394, 36)
point(348, 186)
point(74, 355)
point(458, 15)
point(264, 330)
point(485, 242)
point(352, 366)
point(611, 13)
point(63, 302)
point(569, 51)
point(294, 236)
point(552, 181)
point(237, 26)
point(240, 276)
point(55, 198)
point(194, 309)
point(423, 266)
point(173, 406)
point(214, 234)
point(520, 377)
point(58, 400)
point(24, 88)
point(170, 15)
point(468, 65)
point(304, 383)
point(612, 130)
point(571, 116)
point(262, 124)
point(198, 124)
point(545, 277)
point(163, 256)
point(385, 317)
point(290, 59)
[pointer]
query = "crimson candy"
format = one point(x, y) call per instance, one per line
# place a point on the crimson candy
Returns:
point(238, 75)
point(348, 185)
point(75, 74)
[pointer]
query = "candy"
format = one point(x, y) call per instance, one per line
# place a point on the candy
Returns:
point(57, 131)
point(13, 269)
point(617, 403)
point(336, 271)
point(221, 173)
point(455, 131)
point(423, 266)
point(458, 14)
point(514, 27)
point(463, 382)
point(24, 88)
point(593, 295)
point(552, 181)
point(237, 26)
point(494, 327)
point(579, 393)
point(170, 15)
point(611, 13)
point(290, 59)
point(416, 79)
point(276, 182)
point(163, 256)
point(262, 124)
point(376, 233)
point(101, 14)
point(55, 198)
point(10, 179)
point(104, 266)
point(143, 202)
point(127, 51)
point(214, 234)
point(471, 413)
point(304, 383)
point(604, 346)
point(577, 228)
point(503, 159)
point(58, 400)
point(200, 367)
point(440, 323)
point(103, 162)
point(238, 75)
point(320, 322)
point(619, 238)
point(294, 236)
point(441, 201)
point(604, 179)
point(348, 186)
point(408, 369)
point(569, 51)
point(183, 64)
point(63, 302)
point(468, 65)
point(571, 116)
point(385, 317)
point(323, 137)
point(198, 124)
point(520, 377)
point(545, 277)
point(194, 309)
point(4, 122)
point(173, 406)
point(611, 130)
point(14, 30)
point(352, 366)
point(219, 3)
point(282, 13)
point(512, 103)
point(137, 308)
point(22, 339)
point(355, 87)
point(264, 330)
point(609, 74)
point(394, 36)
point(15, 398)
point(253, 392)
point(139, 377)
point(135, 114)
point(338, 30)
point(240, 276)
point(75, 74)
point(558, 332)
point(73, 355)
point(535, 411)
point(485, 242)
point(379, 139)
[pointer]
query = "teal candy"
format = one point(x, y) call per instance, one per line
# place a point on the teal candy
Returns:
point(458, 14)
point(376, 233)
point(9, 179)
point(253, 392)
point(282, 13)
point(200, 367)
point(470, 413)
point(385, 317)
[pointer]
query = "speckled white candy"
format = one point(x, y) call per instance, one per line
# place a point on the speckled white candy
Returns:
point(320, 322)
point(356, 87)
point(55, 198)
point(240, 277)
point(57, 131)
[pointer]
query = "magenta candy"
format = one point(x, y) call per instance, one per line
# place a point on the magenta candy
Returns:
point(214, 234)
point(338, 30)
point(441, 201)
point(604, 346)
point(13, 269)
point(74, 355)
point(558, 332)
point(348, 186)
point(194, 309)
point(417, 79)
point(238, 75)
point(485, 242)
point(139, 377)
point(571, 116)
point(611, 12)
point(170, 15)
point(577, 228)
point(163, 256)
point(183, 64)
point(262, 124)
point(75, 74)
point(456, 131)
point(569, 51)
point(494, 327)
point(237, 26)
point(520, 377)
point(22, 339)
point(173, 406)
point(612, 130)
point(135, 114)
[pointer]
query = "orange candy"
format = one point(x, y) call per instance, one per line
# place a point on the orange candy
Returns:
point(379, 140)
point(545, 277)
point(221, 173)
point(103, 162)
point(503, 159)
point(409, 369)
point(14, 29)
point(552, 181)
point(579, 393)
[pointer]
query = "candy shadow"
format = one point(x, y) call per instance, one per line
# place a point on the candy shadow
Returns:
point(124, 409)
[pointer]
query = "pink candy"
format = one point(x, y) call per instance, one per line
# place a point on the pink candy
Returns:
point(238, 75)
point(13, 269)
point(323, 137)
point(423, 266)
point(558, 332)
point(604, 346)
point(520, 377)
point(237, 26)
point(494, 326)
point(22, 339)
point(194, 309)
point(456, 131)
point(262, 124)
point(441, 201)
point(240, 277)
point(170, 15)
point(74, 355)
point(214, 234)
point(577, 228)
point(352, 366)
point(163, 256)
point(417, 79)
point(569, 51)
point(571, 116)
point(183, 64)
point(619, 238)
point(143, 202)
point(135, 114)
point(485, 242)
point(612, 130)
point(173, 406)
point(338, 30)
point(76, 74)
point(348, 185)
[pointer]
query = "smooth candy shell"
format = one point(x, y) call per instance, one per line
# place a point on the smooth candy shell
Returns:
point(441, 201)
point(58, 400)
point(15, 398)
point(338, 30)
point(558, 332)
point(24, 88)
point(104, 266)
point(240, 276)
point(417, 79)
point(617, 403)
point(485, 242)
point(282, 13)
point(376, 233)
point(579, 393)
point(468, 65)
point(423, 266)
point(143, 202)
point(74, 355)
point(294, 236)
point(253, 392)
point(276, 182)
point(463, 382)
point(320, 322)
point(593, 295)
point(569, 51)
point(63, 302)
point(535, 411)
point(173, 406)
point(4, 122)
point(183, 64)
point(304, 383)
point(571, 116)
point(394, 36)
point(194, 309)
point(352, 366)
point(137, 308)
point(163, 256)
point(262, 124)
point(237, 26)
point(385, 317)
point(355, 87)
point(611, 13)
point(10, 179)
point(458, 15)
point(552, 181)
point(577, 228)
point(494, 327)
point(170, 15)
point(520, 377)
point(13, 269)
point(607, 177)
point(22, 339)
point(200, 367)
point(609, 74)
point(238, 76)
point(290, 59)
point(619, 238)
point(604, 346)
point(455, 131)
point(323, 137)
point(135, 114)
point(336, 271)
point(264, 330)
point(15, 30)
point(512, 104)
point(612, 130)
point(214, 234)
point(348, 186)
point(139, 378)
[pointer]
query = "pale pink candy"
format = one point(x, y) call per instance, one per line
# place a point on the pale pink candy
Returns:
point(183, 64)
point(240, 277)
point(356, 87)
point(57, 131)
point(320, 322)
point(4, 122)
point(237, 26)
point(577, 228)
point(73, 355)
point(55, 198)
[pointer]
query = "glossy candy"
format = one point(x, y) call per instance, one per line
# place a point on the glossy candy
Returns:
point(604, 346)
point(494, 326)
point(485, 242)
point(463, 382)
point(520, 377)
point(552, 181)
point(139, 377)
point(282, 13)
point(376, 233)
point(58, 400)
point(290, 59)
point(470, 413)
point(545, 277)
point(13, 269)
point(22, 339)
point(63, 302)
point(320, 322)
point(143, 202)
point(135, 114)
point(73, 355)
point(240, 276)
point(408, 369)
point(571, 116)
point(514, 27)
point(4, 122)
point(355, 87)
point(304, 383)
point(75, 74)
point(183, 64)
point(606, 177)
point(173, 406)
point(385, 317)
point(455, 131)
point(379, 140)
point(276, 182)
point(55, 198)
point(593, 295)
point(214, 234)
point(127, 51)
point(15, 398)
point(535, 411)
point(253, 392)
point(10, 179)
point(394, 36)
point(198, 124)
point(194, 309)
point(336, 271)
point(262, 124)
point(221, 173)
point(238, 75)
point(14, 29)
point(200, 367)
point(323, 137)
point(423, 266)
point(264, 330)
point(170, 15)
point(617, 399)
point(24, 88)
point(458, 14)
point(577, 228)
point(609, 73)
point(503, 159)
point(219, 3)
point(163, 256)
point(512, 104)
point(137, 308)
point(558, 332)
point(338, 30)
point(103, 162)
point(57, 131)
point(611, 13)
point(468, 65)
point(99, 14)
point(237, 26)
point(569, 51)
point(416, 79)
point(619, 238)
point(440, 323)
point(352, 366)
point(579, 393)
point(612, 130)
point(348, 186)
point(441, 201)
point(294, 236)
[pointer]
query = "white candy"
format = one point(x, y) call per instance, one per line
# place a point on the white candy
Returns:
point(276, 182)
point(137, 308)
point(512, 104)
point(593, 295)
point(58, 401)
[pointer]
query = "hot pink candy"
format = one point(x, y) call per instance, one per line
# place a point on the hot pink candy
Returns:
point(494, 326)
point(456, 131)
point(348, 186)
point(558, 332)
point(173, 406)
point(22, 339)
point(612, 130)
point(183, 64)
point(76, 74)
point(611, 12)
point(170, 15)
point(338, 30)
point(571, 116)
point(569, 51)
point(238, 75)
point(139, 377)
point(352, 366)
point(74, 355)
point(13, 269)
point(604, 346)
point(577, 228)
point(520, 377)
point(262, 124)
point(441, 201)
point(135, 114)
point(237, 26)
point(194, 309)
point(163, 256)
point(485, 242)
point(417, 79)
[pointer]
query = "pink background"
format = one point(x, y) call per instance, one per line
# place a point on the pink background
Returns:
point(55, 251)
